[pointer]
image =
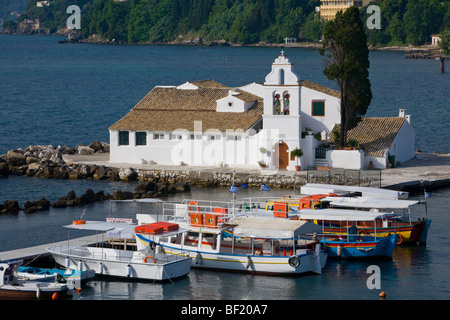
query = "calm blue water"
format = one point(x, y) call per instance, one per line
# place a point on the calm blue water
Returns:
point(64, 94)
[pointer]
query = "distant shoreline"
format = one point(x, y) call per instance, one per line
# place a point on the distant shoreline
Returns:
point(425, 49)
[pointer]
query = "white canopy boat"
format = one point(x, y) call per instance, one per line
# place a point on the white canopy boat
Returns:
point(400, 223)
point(148, 264)
point(317, 188)
point(369, 203)
point(256, 245)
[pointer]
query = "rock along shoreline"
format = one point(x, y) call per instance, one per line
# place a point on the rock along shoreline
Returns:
point(46, 161)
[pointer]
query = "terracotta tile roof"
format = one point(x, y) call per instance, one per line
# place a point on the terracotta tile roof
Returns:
point(173, 119)
point(171, 98)
point(208, 84)
point(169, 109)
point(320, 88)
point(246, 96)
point(375, 135)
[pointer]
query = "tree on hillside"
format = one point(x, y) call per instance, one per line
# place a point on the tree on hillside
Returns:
point(422, 18)
point(348, 62)
point(444, 43)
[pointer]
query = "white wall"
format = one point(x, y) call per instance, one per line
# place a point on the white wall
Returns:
point(232, 103)
point(316, 123)
point(374, 162)
point(203, 151)
point(254, 88)
point(403, 146)
point(346, 159)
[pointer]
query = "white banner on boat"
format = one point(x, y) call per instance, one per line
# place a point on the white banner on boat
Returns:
point(119, 220)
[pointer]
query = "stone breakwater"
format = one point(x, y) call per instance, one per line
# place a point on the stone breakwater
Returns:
point(47, 162)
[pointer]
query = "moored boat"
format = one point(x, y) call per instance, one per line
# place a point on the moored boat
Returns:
point(340, 233)
point(74, 278)
point(349, 242)
point(397, 217)
point(14, 287)
point(343, 190)
point(256, 245)
point(148, 264)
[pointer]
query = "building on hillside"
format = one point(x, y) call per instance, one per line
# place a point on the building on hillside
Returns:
point(205, 123)
point(329, 8)
point(435, 40)
point(41, 4)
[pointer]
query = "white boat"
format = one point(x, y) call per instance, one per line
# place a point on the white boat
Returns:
point(254, 245)
point(147, 264)
point(317, 188)
point(14, 287)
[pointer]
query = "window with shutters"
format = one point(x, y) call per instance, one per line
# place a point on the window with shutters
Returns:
point(318, 108)
point(141, 138)
point(124, 138)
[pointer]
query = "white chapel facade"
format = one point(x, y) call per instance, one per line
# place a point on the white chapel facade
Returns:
point(205, 123)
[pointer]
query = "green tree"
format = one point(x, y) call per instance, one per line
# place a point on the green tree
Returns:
point(139, 21)
point(422, 18)
point(444, 43)
point(348, 64)
point(313, 30)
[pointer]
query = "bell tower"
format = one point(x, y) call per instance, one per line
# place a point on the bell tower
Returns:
point(282, 89)
point(282, 110)
point(281, 73)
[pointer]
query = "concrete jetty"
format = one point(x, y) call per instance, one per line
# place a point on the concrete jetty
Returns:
point(39, 251)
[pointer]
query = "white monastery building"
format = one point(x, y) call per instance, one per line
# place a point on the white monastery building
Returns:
point(206, 123)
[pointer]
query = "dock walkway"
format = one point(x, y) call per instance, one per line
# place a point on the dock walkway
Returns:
point(36, 251)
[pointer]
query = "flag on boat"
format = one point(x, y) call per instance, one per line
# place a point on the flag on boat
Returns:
point(265, 187)
point(427, 195)
point(234, 189)
point(244, 185)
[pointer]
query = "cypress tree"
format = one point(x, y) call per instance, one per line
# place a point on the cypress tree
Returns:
point(348, 64)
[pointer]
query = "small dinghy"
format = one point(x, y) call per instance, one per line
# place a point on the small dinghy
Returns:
point(14, 287)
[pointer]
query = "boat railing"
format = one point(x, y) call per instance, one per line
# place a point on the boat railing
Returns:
point(201, 213)
point(75, 251)
point(111, 254)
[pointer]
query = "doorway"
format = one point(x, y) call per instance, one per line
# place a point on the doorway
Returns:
point(282, 152)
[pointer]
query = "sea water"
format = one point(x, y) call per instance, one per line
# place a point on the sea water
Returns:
point(67, 94)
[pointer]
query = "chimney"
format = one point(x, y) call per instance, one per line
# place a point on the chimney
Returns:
point(408, 118)
point(401, 113)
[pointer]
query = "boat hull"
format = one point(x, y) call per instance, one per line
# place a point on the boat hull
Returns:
point(121, 263)
point(268, 265)
point(31, 291)
point(380, 248)
point(415, 233)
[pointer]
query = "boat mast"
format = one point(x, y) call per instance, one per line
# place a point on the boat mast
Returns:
point(233, 195)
